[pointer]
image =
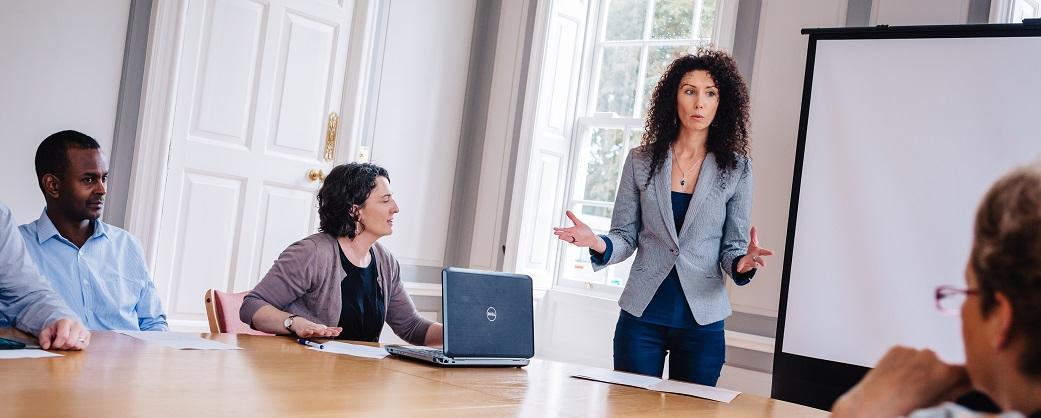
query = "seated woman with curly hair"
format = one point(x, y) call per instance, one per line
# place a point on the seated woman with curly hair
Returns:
point(340, 282)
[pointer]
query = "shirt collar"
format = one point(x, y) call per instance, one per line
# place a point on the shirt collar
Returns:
point(46, 230)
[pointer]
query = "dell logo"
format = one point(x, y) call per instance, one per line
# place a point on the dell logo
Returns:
point(491, 313)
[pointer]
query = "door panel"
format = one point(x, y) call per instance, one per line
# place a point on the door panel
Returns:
point(208, 219)
point(276, 231)
point(225, 92)
point(305, 70)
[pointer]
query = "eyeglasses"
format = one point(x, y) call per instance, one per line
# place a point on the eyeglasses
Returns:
point(949, 298)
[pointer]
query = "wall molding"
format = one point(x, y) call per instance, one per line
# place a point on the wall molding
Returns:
point(128, 109)
point(749, 341)
point(726, 17)
point(509, 74)
point(188, 325)
point(755, 310)
point(152, 143)
point(525, 139)
point(1000, 11)
point(477, 104)
point(423, 289)
point(364, 74)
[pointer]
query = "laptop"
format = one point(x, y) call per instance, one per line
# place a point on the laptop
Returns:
point(488, 321)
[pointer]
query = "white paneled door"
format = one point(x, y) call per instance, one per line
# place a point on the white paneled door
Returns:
point(256, 84)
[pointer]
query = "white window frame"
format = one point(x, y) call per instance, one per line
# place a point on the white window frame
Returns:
point(1003, 11)
point(585, 120)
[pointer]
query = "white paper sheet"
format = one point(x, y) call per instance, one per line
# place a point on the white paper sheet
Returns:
point(26, 353)
point(696, 390)
point(658, 385)
point(352, 350)
point(179, 340)
point(618, 378)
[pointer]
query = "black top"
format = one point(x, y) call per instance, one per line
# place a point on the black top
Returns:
point(363, 309)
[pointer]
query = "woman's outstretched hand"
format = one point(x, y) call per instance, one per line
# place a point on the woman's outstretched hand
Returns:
point(580, 235)
point(754, 258)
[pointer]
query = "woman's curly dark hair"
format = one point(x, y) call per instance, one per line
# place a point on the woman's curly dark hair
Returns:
point(728, 134)
point(346, 185)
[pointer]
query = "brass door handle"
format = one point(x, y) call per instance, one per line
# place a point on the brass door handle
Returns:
point(315, 174)
point(330, 136)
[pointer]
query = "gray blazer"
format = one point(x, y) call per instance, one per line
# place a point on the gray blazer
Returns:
point(714, 233)
point(305, 281)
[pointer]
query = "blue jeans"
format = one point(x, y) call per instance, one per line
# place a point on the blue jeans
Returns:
point(695, 354)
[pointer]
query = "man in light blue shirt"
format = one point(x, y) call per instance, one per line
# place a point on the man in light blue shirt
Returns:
point(97, 268)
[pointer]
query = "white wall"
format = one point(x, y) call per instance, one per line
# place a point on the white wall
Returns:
point(776, 90)
point(60, 69)
point(919, 12)
point(418, 120)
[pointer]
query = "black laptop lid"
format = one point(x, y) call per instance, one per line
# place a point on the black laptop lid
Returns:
point(487, 314)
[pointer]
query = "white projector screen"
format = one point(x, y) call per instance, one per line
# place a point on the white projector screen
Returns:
point(903, 137)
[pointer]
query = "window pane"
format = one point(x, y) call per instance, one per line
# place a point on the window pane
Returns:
point(708, 19)
point(635, 137)
point(578, 267)
point(595, 211)
point(606, 148)
point(1024, 9)
point(619, 68)
point(599, 222)
point(673, 19)
point(658, 58)
point(625, 20)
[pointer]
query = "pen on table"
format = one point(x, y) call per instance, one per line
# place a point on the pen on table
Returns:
point(310, 343)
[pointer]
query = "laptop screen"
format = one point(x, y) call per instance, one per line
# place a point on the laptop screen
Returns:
point(487, 314)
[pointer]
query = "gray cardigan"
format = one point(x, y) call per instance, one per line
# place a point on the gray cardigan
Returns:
point(305, 281)
point(714, 233)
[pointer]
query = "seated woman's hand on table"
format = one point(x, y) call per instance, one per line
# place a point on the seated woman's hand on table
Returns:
point(307, 329)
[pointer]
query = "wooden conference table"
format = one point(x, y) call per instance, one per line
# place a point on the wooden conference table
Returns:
point(274, 376)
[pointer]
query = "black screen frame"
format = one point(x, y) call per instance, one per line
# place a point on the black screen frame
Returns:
point(818, 382)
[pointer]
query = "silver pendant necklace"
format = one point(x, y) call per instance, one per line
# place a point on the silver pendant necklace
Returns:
point(683, 173)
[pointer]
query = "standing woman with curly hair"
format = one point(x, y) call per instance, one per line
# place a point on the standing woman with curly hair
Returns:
point(682, 206)
point(340, 282)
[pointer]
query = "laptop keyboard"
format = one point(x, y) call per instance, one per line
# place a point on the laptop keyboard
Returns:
point(423, 351)
point(431, 351)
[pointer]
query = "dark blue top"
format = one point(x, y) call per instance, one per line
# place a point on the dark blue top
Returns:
point(669, 306)
point(363, 309)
